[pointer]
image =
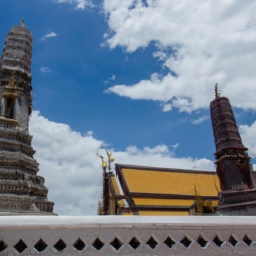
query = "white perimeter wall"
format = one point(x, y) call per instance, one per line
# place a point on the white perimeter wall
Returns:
point(193, 235)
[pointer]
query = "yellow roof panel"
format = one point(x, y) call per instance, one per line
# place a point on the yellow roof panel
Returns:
point(127, 214)
point(163, 213)
point(213, 203)
point(115, 186)
point(168, 182)
point(163, 202)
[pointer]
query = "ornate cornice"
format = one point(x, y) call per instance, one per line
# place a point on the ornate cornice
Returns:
point(16, 159)
point(15, 135)
point(16, 146)
point(22, 188)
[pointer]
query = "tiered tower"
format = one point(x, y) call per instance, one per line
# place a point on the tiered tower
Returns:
point(22, 191)
point(238, 196)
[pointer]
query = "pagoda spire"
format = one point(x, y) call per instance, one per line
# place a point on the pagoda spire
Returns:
point(232, 160)
point(233, 163)
point(22, 190)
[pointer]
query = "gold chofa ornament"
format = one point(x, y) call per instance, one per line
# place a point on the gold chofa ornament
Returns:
point(110, 157)
point(104, 164)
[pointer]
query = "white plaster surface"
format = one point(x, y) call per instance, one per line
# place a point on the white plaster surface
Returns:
point(86, 220)
point(106, 228)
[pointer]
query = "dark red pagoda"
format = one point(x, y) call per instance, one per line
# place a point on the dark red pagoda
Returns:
point(238, 196)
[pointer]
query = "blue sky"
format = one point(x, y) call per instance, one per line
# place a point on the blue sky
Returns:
point(136, 77)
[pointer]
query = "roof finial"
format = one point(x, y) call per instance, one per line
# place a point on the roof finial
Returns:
point(110, 159)
point(22, 23)
point(104, 164)
point(217, 94)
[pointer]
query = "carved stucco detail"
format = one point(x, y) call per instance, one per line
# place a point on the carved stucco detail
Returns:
point(15, 203)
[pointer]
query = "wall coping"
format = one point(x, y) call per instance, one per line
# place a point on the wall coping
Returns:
point(45, 222)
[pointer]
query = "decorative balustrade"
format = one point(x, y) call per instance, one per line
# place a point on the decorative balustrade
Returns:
point(131, 235)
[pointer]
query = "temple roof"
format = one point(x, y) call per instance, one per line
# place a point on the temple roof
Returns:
point(113, 185)
point(163, 202)
point(163, 213)
point(163, 191)
point(166, 182)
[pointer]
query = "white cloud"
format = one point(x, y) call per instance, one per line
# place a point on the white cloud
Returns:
point(73, 172)
point(45, 70)
point(80, 4)
point(160, 55)
point(248, 134)
point(167, 107)
point(112, 78)
point(89, 133)
point(211, 42)
point(175, 145)
point(49, 35)
point(200, 120)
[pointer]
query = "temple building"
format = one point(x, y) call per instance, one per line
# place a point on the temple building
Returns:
point(22, 191)
point(155, 191)
point(145, 190)
point(163, 191)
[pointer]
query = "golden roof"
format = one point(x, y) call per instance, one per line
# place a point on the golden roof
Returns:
point(163, 202)
point(212, 203)
point(115, 186)
point(178, 182)
point(128, 214)
point(163, 213)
